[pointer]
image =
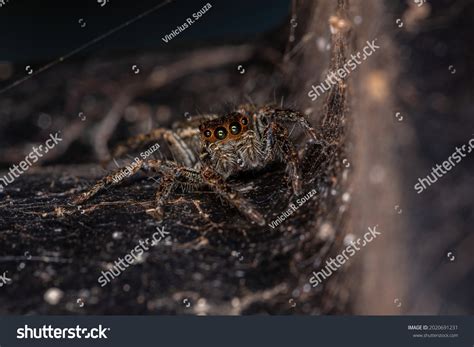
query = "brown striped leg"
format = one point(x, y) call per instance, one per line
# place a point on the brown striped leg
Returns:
point(117, 177)
point(172, 176)
point(114, 178)
point(178, 147)
point(277, 138)
point(216, 182)
point(283, 115)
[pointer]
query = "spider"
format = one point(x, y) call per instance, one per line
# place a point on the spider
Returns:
point(247, 138)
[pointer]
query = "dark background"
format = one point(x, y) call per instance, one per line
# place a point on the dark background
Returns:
point(32, 31)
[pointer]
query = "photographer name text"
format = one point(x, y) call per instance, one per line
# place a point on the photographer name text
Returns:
point(189, 21)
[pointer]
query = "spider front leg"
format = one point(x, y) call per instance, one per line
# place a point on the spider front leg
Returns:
point(173, 175)
point(217, 183)
point(175, 139)
point(178, 147)
point(114, 178)
point(176, 175)
point(277, 139)
point(281, 115)
point(118, 176)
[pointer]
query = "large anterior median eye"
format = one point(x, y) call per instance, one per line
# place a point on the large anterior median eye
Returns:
point(235, 128)
point(207, 133)
point(220, 133)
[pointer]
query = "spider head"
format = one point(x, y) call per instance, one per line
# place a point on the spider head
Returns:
point(230, 127)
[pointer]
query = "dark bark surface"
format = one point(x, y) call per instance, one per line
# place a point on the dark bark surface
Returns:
point(208, 261)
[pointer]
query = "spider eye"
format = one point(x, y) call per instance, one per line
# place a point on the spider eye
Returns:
point(235, 128)
point(220, 133)
point(244, 121)
point(207, 133)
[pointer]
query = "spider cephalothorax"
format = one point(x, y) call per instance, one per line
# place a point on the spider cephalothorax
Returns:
point(231, 144)
point(210, 148)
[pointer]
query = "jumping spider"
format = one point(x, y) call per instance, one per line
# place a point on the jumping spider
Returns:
point(248, 138)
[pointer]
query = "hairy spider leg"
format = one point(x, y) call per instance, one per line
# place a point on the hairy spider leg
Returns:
point(178, 147)
point(276, 136)
point(289, 116)
point(217, 183)
point(118, 176)
point(173, 175)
